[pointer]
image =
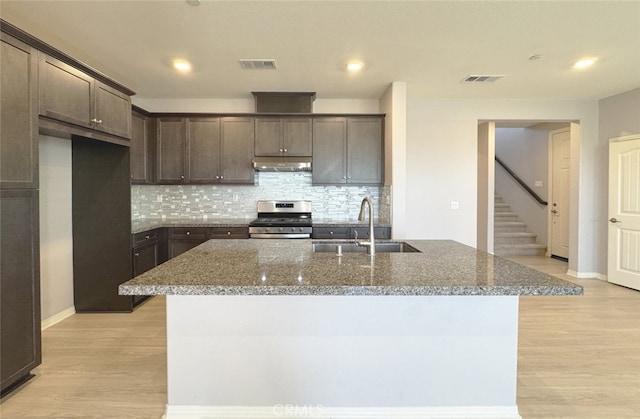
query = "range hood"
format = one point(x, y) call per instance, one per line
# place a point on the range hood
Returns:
point(282, 164)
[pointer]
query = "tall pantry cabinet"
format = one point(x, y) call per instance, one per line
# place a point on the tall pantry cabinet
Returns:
point(19, 232)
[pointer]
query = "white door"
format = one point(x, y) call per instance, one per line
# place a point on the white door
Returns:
point(559, 205)
point(624, 211)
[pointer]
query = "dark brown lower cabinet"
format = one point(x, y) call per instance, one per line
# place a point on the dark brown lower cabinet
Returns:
point(20, 349)
point(182, 239)
point(341, 233)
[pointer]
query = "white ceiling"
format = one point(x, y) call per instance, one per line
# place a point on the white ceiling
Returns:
point(431, 45)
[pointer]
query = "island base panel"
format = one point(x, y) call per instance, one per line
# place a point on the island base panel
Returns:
point(344, 354)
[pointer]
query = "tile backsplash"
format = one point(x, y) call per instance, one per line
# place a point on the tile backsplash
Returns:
point(201, 202)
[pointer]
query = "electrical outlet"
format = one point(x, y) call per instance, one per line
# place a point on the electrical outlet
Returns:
point(455, 205)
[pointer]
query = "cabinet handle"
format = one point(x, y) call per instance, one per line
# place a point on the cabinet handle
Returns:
point(221, 177)
point(331, 233)
point(97, 121)
point(146, 237)
point(228, 233)
point(217, 177)
point(136, 254)
point(348, 177)
point(285, 150)
point(188, 233)
point(344, 177)
point(182, 177)
point(281, 150)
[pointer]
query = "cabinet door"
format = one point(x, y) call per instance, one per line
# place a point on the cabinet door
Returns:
point(145, 258)
point(178, 247)
point(329, 149)
point(140, 151)
point(19, 114)
point(203, 150)
point(268, 137)
point(19, 285)
point(112, 111)
point(65, 93)
point(237, 150)
point(364, 151)
point(171, 150)
point(297, 136)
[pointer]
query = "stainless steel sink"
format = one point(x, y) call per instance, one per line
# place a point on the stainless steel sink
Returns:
point(351, 247)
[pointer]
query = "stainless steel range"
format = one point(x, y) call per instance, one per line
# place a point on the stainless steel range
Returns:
point(282, 220)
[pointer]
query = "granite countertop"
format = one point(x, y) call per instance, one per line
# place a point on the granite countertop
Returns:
point(290, 267)
point(146, 224)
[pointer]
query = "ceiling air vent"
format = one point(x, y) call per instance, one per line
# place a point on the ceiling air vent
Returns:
point(481, 78)
point(253, 64)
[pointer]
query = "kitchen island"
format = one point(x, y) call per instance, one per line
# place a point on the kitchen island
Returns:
point(270, 328)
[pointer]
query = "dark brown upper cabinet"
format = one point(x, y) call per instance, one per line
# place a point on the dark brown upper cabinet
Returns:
point(205, 150)
point(69, 95)
point(143, 143)
point(237, 150)
point(171, 146)
point(348, 150)
point(19, 115)
point(283, 136)
point(364, 150)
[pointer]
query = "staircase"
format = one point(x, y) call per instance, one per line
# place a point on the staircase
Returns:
point(511, 237)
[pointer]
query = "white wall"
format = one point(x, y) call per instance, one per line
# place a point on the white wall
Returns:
point(486, 186)
point(56, 240)
point(394, 104)
point(619, 116)
point(526, 152)
point(442, 166)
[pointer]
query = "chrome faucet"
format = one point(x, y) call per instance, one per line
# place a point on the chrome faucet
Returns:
point(371, 244)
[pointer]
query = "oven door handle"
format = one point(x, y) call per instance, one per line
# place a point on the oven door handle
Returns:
point(280, 236)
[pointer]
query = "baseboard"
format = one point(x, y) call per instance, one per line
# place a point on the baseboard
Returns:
point(319, 412)
point(587, 275)
point(57, 318)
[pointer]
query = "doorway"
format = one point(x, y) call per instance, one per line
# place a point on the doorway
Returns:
point(560, 170)
point(624, 211)
point(540, 183)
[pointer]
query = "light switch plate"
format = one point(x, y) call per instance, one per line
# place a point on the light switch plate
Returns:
point(538, 184)
point(455, 205)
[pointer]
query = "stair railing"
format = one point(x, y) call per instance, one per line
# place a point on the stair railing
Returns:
point(521, 183)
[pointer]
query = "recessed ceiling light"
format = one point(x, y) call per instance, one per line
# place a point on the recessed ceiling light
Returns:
point(535, 57)
point(181, 65)
point(584, 63)
point(355, 65)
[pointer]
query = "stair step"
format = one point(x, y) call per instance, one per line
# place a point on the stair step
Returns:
point(522, 237)
point(505, 216)
point(520, 250)
point(508, 226)
point(502, 207)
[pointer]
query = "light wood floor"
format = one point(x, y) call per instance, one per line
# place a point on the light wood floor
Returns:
point(579, 357)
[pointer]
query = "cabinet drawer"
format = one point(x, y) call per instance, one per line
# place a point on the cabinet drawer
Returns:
point(382, 233)
point(144, 237)
point(194, 233)
point(229, 233)
point(330, 232)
